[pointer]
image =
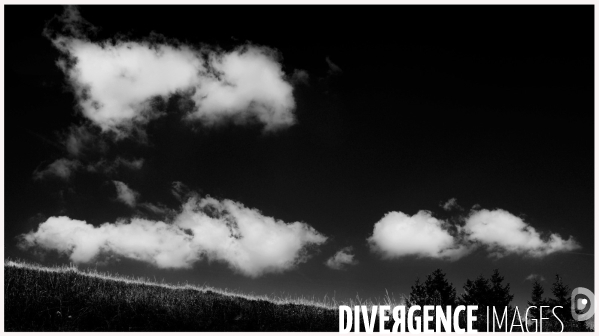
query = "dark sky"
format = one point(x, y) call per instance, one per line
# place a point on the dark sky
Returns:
point(491, 105)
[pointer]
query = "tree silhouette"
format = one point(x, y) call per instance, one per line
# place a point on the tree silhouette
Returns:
point(500, 294)
point(536, 298)
point(485, 293)
point(418, 294)
point(561, 294)
point(476, 292)
point(561, 297)
point(435, 290)
point(439, 290)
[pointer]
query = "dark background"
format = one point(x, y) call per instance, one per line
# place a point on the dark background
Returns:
point(492, 105)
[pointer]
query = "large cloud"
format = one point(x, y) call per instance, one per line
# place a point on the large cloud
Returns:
point(115, 82)
point(501, 233)
point(227, 231)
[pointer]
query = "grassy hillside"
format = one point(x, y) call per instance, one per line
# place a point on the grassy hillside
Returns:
point(64, 299)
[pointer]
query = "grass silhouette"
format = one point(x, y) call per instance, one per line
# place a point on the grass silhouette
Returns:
point(39, 298)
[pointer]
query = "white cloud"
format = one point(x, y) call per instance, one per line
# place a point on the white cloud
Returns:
point(250, 84)
point(342, 259)
point(503, 233)
point(533, 277)
point(159, 243)
point(62, 168)
point(126, 194)
point(422, 235)
point(226, 231)
point(114, 83)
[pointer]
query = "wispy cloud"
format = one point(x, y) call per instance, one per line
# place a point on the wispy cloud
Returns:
point(333, 68)
point(533, 277)
point(180, 190)
point(64, 168)
point(342, 259)
point(125, 194)
point(61, 168)
point(205, 228)
point(106, 166)
point(451, 204)
point(131, 198)
point(158, 209)
point(78, 139)
point(300, 76)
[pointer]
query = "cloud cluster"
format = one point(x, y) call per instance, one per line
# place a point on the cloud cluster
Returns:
point(342, 259)
point(115, 82)
point(501, 233)
point(205, 228)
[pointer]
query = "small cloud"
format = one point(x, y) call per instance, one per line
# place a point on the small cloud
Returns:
point(342, 259)
point(125, 194)
point(300, 76)
point(333, 68)
point(451, 204)
point(533, 277)
point(62, 168)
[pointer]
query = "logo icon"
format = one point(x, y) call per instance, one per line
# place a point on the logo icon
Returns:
point(583, 304)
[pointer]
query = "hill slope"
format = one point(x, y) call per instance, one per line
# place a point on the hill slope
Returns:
point(64, 299)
